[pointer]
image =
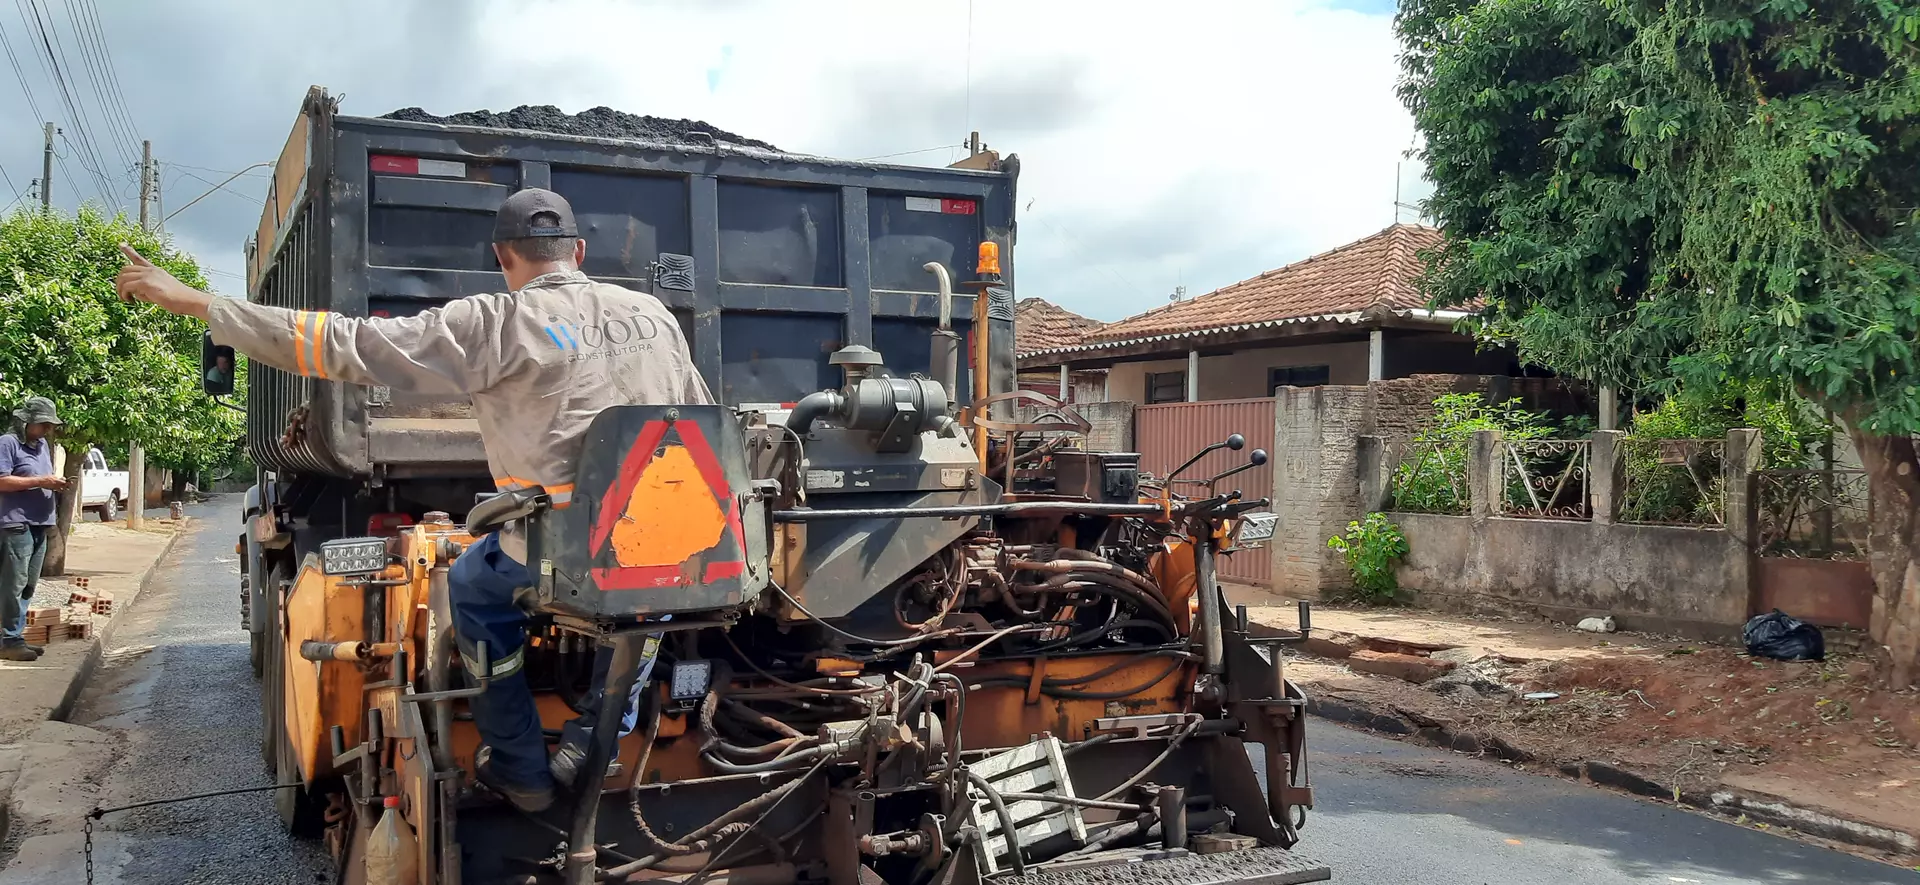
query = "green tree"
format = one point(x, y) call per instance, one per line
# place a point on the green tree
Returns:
point(117, 372)
point(1653, 194)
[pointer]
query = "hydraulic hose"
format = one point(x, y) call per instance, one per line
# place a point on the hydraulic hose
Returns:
point(1068, 580)
point(1011, 833)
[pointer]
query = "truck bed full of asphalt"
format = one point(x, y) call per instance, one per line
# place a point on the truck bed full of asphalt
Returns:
point(600, 122)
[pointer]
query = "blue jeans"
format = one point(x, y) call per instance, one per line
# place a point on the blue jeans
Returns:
point(482, 586)
point(23, 552)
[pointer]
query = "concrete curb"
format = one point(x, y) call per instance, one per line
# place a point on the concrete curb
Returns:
point(1773, 811)
point(104, 635)
point(96, 650)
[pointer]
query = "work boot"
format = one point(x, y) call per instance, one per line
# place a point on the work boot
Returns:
point(565, 764)
point(36, 649)
point(532, 800)
point(18, 652)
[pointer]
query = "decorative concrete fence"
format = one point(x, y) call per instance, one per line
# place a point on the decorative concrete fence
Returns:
point(1546, 528)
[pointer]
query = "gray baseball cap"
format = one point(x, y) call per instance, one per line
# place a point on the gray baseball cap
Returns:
point(37, 410)
point(534, 212)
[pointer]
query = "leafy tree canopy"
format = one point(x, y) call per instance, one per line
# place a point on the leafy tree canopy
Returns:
point(117, 372)
point(1650, 194)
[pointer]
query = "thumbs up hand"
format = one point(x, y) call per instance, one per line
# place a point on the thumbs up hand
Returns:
point(141, 280)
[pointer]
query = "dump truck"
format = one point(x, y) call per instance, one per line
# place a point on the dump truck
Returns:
point(877, 617)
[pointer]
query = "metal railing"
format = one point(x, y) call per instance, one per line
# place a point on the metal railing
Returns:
point(1546, 478)
point(1674, 482)
point(1429, 477)
point(1813, 514)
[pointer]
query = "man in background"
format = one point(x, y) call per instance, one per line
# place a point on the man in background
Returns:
point(28, 489)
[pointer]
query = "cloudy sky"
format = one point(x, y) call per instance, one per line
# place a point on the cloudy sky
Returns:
point(1162, 145)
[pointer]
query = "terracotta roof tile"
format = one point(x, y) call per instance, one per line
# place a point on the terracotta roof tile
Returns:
point(1039, 324)
point(1382, 269)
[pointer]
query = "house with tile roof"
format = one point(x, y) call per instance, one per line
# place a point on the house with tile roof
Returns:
point(1347, 316)
point(1039, 324)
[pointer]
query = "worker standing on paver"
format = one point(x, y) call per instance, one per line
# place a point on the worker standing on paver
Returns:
point(535, 390)
point(27, 493)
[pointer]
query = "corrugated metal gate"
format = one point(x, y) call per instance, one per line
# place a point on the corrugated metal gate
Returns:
point(1169, 433)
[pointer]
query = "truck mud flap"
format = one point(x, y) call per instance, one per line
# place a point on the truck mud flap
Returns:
point(1254, 866)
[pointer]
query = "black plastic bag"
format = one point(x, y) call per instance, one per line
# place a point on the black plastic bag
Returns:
point(1783, 637)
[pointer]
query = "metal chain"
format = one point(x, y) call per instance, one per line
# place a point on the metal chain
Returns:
point(86, 828)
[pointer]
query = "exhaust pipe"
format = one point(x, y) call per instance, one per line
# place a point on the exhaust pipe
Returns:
point(946, 344)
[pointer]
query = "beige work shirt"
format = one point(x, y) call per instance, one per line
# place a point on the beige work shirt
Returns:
point(538, 363)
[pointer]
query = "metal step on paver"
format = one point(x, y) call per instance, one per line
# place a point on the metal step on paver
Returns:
point(1253, 866)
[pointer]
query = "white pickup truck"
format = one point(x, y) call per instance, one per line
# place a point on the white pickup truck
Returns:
point(102, 490)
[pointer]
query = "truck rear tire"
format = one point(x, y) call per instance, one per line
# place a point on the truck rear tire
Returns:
point(110, 510)
point(269, 666)
point(256, 654)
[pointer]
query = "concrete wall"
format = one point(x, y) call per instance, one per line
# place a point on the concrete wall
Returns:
point(1112, 424)
point(1316, 491)
point(1243, 374)
point(1661, 578)
point(1330, 449)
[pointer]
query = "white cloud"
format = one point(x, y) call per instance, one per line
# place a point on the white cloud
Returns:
point(1198, 144)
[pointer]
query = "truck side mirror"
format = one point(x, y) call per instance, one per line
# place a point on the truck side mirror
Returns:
point(216, 367)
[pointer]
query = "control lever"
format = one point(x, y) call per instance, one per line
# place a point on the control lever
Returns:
point(1233, 510)
point(1235, 442)
point(481, 680)
point(1256, 459)
point(1202, 508)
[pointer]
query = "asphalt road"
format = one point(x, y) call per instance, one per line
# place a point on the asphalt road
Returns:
point(181, 701)
point(1400, 814)
point(182, 706)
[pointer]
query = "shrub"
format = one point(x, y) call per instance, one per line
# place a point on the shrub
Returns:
point(1372, 546)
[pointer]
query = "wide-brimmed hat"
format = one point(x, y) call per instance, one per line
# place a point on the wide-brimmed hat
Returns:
point(37, 410)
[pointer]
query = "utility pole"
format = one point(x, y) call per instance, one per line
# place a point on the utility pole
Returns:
point(146, 181)
point(136, 455)
point(46, 172)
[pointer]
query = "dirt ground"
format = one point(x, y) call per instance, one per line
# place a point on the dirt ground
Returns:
point(1685, 714)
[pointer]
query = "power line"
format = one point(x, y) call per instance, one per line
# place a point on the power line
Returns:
point(53, 61)
point(9, 180)
point(222, 185)
point(261, 173)
point(905, 153)
point(117, 133)
point(25, 89)
point(92, 15)
point(85, 120)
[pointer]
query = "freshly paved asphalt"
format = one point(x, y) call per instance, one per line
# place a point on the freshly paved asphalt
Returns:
point(1392, 813)
point(185, 707)
point(179, 698)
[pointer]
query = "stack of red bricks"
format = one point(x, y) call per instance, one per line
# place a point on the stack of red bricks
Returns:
point(45, 624)
point(82, 604)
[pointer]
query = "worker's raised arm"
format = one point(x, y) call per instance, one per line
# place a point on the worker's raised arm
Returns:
point(447, 350)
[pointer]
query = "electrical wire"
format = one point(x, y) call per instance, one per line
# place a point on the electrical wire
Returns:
point(119, 96)
point(119, 134)
point(839, 692)
point(996, 637)
point(1172, 745)
point(790, 790)
point(887, 643)
point(53, 62)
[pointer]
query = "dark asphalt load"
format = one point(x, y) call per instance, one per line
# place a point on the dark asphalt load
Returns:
point(184, 707)
point(600, 122)
point(178, 700)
